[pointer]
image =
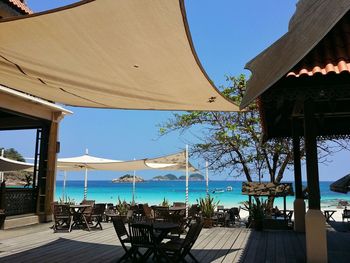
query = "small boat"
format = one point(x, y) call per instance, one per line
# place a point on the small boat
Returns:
point(218, 190)
point(229, 188)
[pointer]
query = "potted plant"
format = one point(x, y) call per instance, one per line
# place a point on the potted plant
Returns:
point(256, 214)
point(66, 201)
point(207, 207)
point(122, 209)
point(165, 203)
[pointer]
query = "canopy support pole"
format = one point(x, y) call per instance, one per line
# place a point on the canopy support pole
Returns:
point(207, 177)
point(186, 181)
point(133, 187)
point(85, 183)
point(64, 185)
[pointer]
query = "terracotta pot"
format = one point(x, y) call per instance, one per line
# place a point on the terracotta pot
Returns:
point(207, 222)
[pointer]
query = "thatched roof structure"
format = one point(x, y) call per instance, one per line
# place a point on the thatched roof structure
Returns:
point(267, 189)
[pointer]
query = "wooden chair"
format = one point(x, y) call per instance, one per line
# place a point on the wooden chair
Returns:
point(88, 210)
point(97, 214)
point(177, 250)
point(161, 213)
point(141, 236)
point(147, 211)
point(123, 236)
point(63, 219)
point(346, 214)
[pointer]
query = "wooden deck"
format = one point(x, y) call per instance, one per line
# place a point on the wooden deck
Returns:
point(40, 244)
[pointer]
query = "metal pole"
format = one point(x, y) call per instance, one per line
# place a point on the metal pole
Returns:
point(2, 173)
point(64, 185)
point(186, 180)
point(207, 177)
point(85, 184)
point(133, 187)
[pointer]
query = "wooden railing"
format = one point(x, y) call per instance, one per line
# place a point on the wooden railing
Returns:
point(17, 201)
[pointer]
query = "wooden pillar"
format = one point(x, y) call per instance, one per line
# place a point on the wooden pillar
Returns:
point(315, 223)
point(299, 204)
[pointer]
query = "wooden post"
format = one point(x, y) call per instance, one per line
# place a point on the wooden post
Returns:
point(311, 157)
point(51, 169)
point(297, 164)
point(315, 223)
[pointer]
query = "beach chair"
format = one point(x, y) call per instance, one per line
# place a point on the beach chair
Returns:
point(123, 236)
point(346, 214)
point(177, 250)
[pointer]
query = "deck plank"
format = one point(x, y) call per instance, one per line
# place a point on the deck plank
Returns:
point(219, 244)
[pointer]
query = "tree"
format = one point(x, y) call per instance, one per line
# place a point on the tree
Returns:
point(13, 154)
point(23, 177)
point(232, 140)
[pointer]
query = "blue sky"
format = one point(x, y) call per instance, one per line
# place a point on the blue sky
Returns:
point(226, 34)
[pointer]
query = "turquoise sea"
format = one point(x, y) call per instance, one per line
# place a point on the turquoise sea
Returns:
point(153, 192)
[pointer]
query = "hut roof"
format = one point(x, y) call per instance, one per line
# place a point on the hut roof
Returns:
point(312, 21)
point(20, 5)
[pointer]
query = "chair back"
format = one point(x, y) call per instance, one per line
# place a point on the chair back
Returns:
point(346, 212)
point(141, 235)
point(61, 210)
point(191, 237)
point(88, 210)
point(99, 209)
point(179, 204)
point(220, 208)
point(120, 229)
point(161, 212)
point(194, 211)
point(148, 212)
point(110, 206)
point(236, 211)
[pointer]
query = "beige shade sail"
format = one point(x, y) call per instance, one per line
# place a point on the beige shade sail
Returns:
point(311, 22)
point(127, 54)
point(169, 162)
point(9, 165)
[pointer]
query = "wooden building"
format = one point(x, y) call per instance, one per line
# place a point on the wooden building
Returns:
point(302, 86)
point(20, 111)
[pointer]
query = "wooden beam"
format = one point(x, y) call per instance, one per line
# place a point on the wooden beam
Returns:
point(297, 162)
point(19, 105)
point(311, 156)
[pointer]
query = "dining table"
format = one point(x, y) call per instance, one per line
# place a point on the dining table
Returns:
point(79, 218)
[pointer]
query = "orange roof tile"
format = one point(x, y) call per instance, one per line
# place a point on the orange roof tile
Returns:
point(22, 6)
point(331, 55)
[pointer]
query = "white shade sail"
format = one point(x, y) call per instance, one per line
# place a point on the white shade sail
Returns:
point(134, 54)
point(9, 165)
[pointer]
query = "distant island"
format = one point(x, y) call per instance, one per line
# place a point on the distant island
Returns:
point(192, 177)
point(128, 178)
point(171, 177)
point(167, 177)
